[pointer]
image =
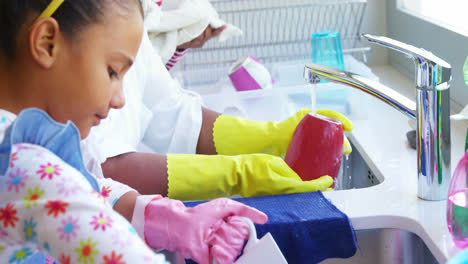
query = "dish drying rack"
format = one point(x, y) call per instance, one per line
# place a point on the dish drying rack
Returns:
point(273, 31)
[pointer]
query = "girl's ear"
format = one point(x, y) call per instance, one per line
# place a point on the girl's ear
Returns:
point(44, 41)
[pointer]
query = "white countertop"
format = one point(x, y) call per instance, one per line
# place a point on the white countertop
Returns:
point(381, 139)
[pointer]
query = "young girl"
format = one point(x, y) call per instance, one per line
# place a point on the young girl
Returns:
point(61, 62)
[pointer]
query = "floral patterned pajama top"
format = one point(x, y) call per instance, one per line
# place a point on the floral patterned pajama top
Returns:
point(49, 202)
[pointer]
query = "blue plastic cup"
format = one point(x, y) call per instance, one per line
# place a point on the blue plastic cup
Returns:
point(326, 49)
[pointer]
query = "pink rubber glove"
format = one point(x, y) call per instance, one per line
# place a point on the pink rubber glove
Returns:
point(212, 230)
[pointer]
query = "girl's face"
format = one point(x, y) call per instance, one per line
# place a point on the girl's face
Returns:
point(85, 81)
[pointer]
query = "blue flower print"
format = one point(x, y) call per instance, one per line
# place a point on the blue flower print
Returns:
point(30, 230)
point(20, 255)
point(16, 180)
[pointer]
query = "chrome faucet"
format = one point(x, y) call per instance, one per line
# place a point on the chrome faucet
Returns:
point(431, 110)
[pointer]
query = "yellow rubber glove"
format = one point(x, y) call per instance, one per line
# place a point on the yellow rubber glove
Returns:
point(235, 135)
point(204, 177)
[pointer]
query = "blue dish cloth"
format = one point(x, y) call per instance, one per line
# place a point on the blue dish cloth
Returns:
point(307, 227)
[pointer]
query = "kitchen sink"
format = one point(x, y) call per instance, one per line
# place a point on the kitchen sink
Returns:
point(355, 172)
point(388, 246)
point(377, 246)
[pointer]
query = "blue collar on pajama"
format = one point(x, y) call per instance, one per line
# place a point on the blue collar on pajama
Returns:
point(34, 126)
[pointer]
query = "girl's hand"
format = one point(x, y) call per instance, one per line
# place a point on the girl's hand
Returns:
point(212, 230)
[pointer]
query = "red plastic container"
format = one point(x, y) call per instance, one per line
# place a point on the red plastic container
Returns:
point(316, 147)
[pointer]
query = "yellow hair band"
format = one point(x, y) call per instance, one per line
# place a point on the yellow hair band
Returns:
point(51, 8)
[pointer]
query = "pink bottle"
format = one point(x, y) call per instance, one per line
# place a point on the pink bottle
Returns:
point(457, 204)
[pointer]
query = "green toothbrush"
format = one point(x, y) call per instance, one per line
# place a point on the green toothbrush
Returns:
point(466, 140)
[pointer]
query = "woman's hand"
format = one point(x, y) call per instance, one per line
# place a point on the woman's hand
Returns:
point(199, 41)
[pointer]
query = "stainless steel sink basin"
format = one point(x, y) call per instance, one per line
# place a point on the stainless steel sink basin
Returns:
point(378, 246)
point(355, 172)
point(388, 246)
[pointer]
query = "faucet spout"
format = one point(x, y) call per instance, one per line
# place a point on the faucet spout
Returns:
point(431, 110)
point(314, 73)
